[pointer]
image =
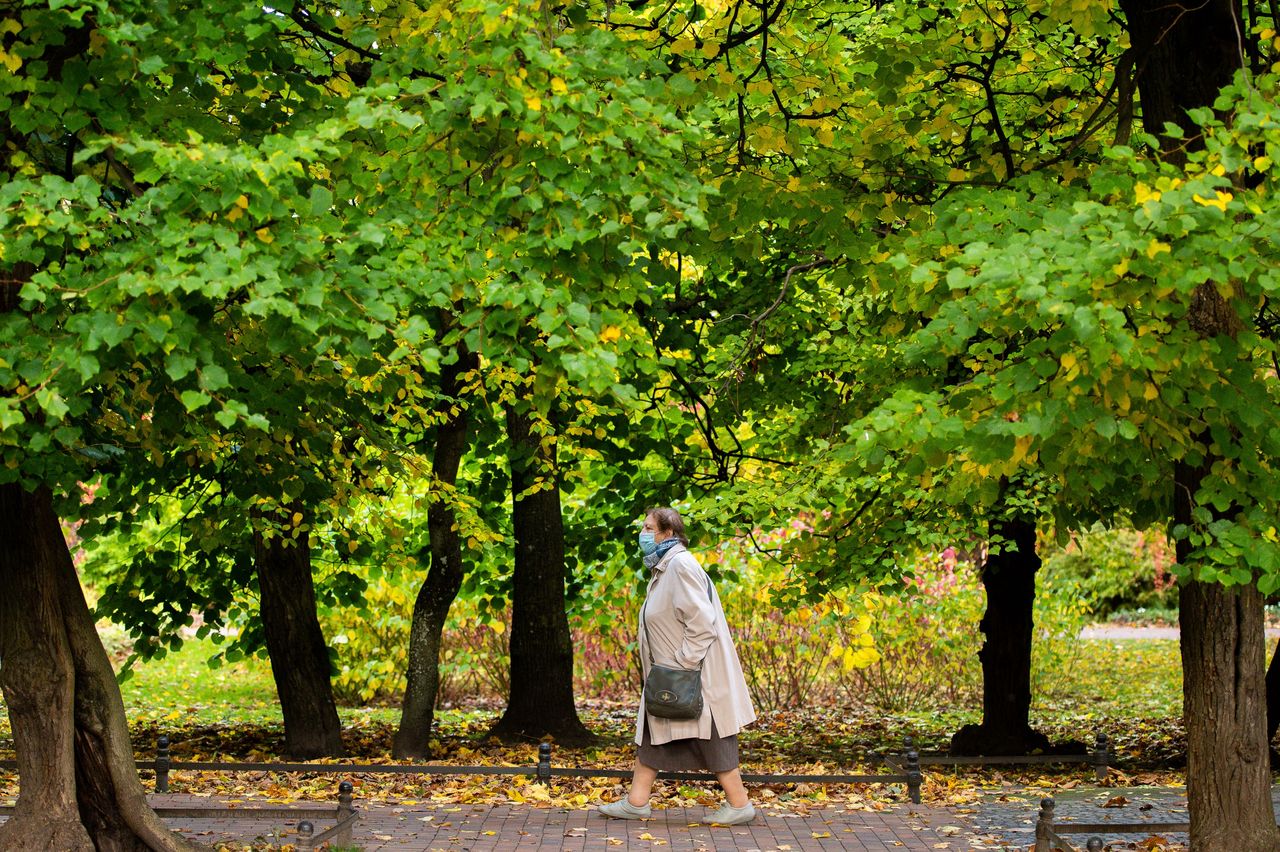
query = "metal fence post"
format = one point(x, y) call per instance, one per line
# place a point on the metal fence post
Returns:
point(1102, 759)
point(162, 764)
point(305, 832)
point(544, 763)
point(1044, 827)
point(345, 809)
point(911, 762)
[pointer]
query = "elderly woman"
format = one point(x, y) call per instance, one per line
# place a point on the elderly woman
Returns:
point(682, 625)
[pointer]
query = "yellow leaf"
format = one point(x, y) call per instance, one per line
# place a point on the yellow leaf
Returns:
point(1262, 163)
point(957, 175)
point(1121, 268)
point(297, 518)
point(264, 234)
point(533, 102)
point(1068, 361)
point(1155, 247)
point(1143, 193)
point(558, 86)
point(243, 201)
point(1020, 448)
point(235, 214)
point(1221, 200)
point(610, 333)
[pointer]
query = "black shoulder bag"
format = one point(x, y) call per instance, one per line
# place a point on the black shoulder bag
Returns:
point(673, 693)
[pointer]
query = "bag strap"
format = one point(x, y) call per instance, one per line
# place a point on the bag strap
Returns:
point(645, 622)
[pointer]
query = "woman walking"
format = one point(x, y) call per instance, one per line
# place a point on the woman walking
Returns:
point(682, 626)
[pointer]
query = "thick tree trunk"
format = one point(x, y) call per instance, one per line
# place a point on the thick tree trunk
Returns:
point(444, 577)
point(1185, 54)
point(79, 783)
point(541, 700)
point(1224, 704)
point(1009, 578)
point(295, 643)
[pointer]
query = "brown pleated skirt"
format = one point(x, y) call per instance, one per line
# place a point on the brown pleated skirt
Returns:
point(718, 754)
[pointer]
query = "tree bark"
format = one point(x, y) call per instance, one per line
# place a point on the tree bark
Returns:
point(541, 700)
point(1185, 54)
point(295, 644)
point(444, 577)
point(79, 782)
point(1009, 578)
point(1224, 705)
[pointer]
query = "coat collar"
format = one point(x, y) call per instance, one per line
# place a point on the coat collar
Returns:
point(662, 563)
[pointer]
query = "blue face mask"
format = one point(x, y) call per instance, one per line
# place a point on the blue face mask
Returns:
point(647, 544)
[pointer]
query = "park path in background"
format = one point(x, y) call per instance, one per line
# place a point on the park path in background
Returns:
point(1113, 631)
point(489, 828)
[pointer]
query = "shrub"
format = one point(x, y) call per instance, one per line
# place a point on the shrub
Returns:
point(792, 653)
point(1062, 610)
point(372, 644)
point(926, 633)
point(1118, 569)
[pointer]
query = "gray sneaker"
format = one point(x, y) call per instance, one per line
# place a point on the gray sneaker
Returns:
point(729, 815)
point(623, 809)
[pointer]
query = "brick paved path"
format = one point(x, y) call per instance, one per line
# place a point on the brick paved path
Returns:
point(480, 828)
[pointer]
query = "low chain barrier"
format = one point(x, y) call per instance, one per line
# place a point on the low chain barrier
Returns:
point(910, 774)
point(1100, 758)
point(1049, 836)
point(345, 814)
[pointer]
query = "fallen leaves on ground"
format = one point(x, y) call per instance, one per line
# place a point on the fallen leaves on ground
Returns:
point(812, 740)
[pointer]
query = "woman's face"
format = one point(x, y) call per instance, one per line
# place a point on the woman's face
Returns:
point(659, 534)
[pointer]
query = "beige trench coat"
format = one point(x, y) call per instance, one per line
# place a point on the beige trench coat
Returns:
point(683, 622)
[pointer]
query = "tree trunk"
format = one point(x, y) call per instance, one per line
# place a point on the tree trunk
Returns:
point(444, 577)
point(541, 700)
point(79, 782)
point(299, 657)
point(1224, 704)
point(1185, 54)
point(1009, 578)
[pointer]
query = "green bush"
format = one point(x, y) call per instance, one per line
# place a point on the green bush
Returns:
point(909, 647)
point(927, 637)
point(792, 653)
point(1062, 610)
point(1116, 569)
point(372, 645)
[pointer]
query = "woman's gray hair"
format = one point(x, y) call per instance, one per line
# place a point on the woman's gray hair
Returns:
point(669, 520)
